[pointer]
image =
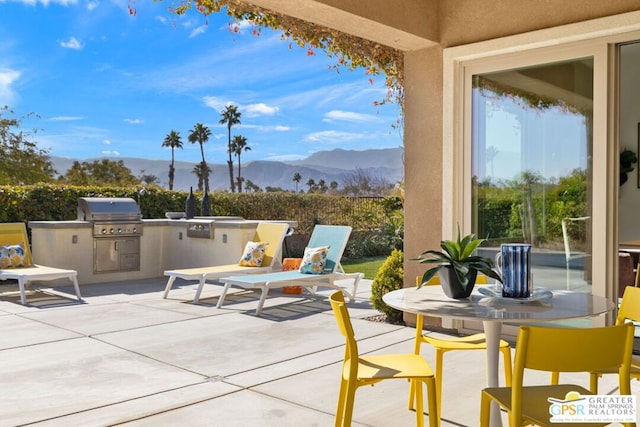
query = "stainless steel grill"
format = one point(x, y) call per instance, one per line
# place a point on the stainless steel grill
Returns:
point(117, 227)
point(111, 216)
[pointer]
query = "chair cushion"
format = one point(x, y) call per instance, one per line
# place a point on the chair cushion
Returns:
point(253, 254)
point(314, 260)
point(13, 256)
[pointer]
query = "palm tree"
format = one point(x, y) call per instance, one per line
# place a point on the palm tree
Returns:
point(252, 187)
point(311, 183)
point(200, 134)
point(230, 117)
point(172, 140)
point(238, 145)
point(491, 154)
point(322, 186)
point(199, 171)
point(297, 178)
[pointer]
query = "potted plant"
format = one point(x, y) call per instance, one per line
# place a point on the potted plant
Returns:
point(457, 266)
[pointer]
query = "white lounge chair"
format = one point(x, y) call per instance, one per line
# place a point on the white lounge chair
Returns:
point(270, 232)
point(15, 256)
point(333, 236)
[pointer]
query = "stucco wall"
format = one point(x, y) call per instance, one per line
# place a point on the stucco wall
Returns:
point(423, 157)
point(416, 24)
point(467, 21)
point(406, 25)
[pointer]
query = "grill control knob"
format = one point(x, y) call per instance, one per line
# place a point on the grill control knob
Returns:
point(104, 231)
point(111, 230)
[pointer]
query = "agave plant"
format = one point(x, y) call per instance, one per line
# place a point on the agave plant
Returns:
point(458, 254)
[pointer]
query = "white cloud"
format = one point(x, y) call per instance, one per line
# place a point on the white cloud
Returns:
point(261, 128)
point(259, 109)
point(216, 103)
point(285, 157)
point(197, 31)
point(72, 43)
point(106, 142)
point(349, 116)
point(133, 121)
point(7, 78)
point(333, 137)
point(110, 153)
point(64, 118)
point(177, 76)
point(240, 27)
point(92, 5)
point(249, 110)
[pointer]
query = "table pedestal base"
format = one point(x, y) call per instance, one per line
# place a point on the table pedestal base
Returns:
point(493, 331)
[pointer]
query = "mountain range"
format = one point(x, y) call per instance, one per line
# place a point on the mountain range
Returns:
point(333, 165)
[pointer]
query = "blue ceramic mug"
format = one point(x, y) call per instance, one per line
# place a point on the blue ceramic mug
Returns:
point(514, 264)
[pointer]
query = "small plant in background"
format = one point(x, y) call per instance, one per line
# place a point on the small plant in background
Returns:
point(627, 159)
point(388, 235)
point(389, 278)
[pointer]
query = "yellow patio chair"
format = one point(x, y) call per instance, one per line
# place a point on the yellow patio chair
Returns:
point(443, 345)
point(558, 350)
point(16, 262)
point(629, 311)
point(367, 370)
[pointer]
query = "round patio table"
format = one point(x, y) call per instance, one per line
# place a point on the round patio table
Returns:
point(494, 311)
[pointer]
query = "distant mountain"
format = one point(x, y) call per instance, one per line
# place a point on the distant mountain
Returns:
point(328, 165)
point(346, 159)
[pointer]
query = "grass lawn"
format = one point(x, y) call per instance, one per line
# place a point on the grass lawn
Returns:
point(368, 266)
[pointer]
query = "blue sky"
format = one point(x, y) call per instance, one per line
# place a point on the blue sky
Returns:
point(106, 83)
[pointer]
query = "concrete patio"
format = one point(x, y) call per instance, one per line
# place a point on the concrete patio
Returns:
point(125, 356)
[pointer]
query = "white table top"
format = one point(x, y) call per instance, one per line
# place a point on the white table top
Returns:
point(431, 301)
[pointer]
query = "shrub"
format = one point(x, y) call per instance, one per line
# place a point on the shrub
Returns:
point(389, 278)
point(383, 240)
point(58, 202)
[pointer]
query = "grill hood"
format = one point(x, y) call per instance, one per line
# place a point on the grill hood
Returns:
point(108, 209)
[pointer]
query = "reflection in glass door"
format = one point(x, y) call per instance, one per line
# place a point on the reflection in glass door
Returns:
point(531, 165)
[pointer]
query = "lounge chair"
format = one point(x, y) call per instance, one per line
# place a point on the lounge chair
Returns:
point(16, 262)
point(334, 237)
point(269, 232)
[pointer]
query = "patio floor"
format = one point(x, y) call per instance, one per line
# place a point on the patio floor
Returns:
point(125, 356)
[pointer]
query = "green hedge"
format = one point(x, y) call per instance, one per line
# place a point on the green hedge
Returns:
point(49, 202)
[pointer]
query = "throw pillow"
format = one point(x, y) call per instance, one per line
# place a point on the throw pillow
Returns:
point(253, 254)
point(314, 260)
point(13, 256)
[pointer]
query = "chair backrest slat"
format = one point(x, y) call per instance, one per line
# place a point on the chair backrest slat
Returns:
point(573, 349)
point(630, 307)
point(341, 313)
point(13, 233)
point(273, 233)
point(334, 236)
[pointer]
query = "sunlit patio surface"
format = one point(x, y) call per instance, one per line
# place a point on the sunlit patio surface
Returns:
point(125, 356)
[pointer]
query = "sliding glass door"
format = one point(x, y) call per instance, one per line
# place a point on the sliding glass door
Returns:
point(531, 171)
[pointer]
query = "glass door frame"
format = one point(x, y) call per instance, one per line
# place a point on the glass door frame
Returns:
point(461, 63)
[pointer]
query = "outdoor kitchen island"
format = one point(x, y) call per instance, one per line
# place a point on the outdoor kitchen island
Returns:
point(164, 244)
